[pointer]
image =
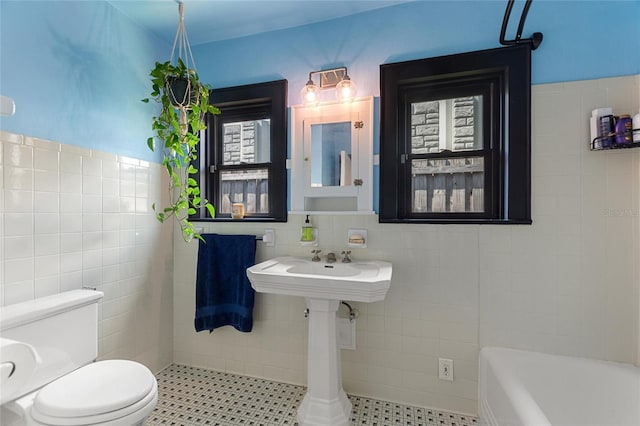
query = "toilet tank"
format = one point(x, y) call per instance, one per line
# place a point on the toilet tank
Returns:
point(62, 328)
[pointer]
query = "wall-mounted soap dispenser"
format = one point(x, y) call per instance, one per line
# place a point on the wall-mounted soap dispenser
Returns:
point(309, 234)
point(307, 230)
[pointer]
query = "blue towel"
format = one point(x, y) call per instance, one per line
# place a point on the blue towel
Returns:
point(224, 295)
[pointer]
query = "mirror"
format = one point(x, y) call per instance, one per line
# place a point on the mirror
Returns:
point(332, 160)
point(331, 154)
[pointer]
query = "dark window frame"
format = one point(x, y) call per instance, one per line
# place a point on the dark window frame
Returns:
point(242, 103)
point(506, 74)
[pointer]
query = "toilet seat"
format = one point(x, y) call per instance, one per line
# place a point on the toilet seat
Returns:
point(96, 393)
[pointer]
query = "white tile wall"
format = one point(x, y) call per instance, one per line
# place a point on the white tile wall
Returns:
point(567, 284)
point(65, 223)
point(571, 287)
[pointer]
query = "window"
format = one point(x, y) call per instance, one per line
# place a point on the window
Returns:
point(243, 157)
point(455, 138)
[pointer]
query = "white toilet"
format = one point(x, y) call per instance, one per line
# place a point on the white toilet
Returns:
point(47, 373)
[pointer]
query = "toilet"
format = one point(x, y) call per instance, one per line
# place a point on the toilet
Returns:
point(48, 376)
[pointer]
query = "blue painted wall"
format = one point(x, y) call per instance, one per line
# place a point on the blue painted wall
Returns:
point(77, 71)
point(582, 40)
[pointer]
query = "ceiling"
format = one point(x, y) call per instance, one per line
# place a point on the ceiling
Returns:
point(213, 20)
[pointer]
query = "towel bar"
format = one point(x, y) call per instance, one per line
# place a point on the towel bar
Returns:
point(268, 238)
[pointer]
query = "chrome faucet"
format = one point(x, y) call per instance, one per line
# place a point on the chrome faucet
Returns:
point(331, 257)
point(316, 256)
point(346, 258)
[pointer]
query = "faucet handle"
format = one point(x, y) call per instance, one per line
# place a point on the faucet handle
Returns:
point(346, 258)
point(316, 256)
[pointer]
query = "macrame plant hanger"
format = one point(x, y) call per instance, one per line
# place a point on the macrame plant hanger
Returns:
point(183, 101)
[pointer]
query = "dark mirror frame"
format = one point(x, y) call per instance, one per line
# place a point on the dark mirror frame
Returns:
point(507, 72)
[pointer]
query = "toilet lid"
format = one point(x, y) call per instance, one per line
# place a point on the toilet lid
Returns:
point(98, 388)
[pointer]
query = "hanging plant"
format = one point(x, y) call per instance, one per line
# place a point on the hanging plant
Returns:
point(184, 103)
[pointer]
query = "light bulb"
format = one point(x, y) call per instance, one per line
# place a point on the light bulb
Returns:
point(309, 93)
point(346, 89)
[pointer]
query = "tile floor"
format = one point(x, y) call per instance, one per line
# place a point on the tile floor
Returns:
point(195, 396)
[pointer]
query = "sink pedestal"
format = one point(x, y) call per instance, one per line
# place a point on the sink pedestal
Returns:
point(325, 403)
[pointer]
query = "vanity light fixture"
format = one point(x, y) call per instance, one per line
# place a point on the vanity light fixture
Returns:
point(336, 77)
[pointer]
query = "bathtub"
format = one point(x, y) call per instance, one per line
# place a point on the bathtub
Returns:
point(534, 389)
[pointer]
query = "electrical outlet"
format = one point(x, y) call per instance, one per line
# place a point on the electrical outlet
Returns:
point(445, 369)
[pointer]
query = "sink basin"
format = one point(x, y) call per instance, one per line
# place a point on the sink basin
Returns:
point(366, 281)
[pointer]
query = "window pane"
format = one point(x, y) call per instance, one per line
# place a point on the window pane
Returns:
point(454, 124)
point(250, 187)
point(246, 141)
point(447, 185)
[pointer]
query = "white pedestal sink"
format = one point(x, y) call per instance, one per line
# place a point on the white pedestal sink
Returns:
point(323, 285)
